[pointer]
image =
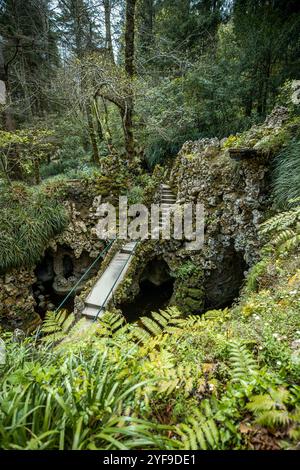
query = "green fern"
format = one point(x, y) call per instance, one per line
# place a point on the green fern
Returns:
point(243, 366)
point(174, 377)
point(112, 323)
point(270, 409)
point(252, 278)
point(166, 321)
point(56, 326)
point(141, 335)
point(193, 321)
point(201, 431)
point(283, 230)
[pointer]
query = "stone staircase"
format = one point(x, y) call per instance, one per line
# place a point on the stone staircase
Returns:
point(167, 200)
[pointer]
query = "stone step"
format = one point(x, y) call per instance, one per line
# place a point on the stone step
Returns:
point(168, 201)
point(91, 312)
point(129, 247)
point(116, 270)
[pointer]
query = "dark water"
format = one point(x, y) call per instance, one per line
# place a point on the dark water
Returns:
point(151, 298)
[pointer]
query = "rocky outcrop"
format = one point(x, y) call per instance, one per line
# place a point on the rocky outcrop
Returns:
point(16, 300)
point(235, 194)
point(70, 254)
point(66, 258)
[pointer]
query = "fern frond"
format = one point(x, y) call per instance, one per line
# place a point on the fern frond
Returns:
point(111, 323)
point(243, 365)
point(164, 321)
point(283, 230)
point(200, 434)
point(270, 409)
point(151, 325)
point(261, 403)
point(141, 335)
point(193, 321)
point(57, 325)
point(273, 418)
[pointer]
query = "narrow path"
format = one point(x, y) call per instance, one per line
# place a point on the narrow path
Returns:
point(108, 283)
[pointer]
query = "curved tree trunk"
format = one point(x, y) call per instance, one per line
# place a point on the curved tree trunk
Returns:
point(95, 151)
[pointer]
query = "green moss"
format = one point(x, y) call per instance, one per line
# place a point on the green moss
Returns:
point(195, 293)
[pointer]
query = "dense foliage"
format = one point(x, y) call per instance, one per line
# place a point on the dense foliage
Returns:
point(29, 219)
point(223, 380)
point(107, 92)
point(286, 177)
point(199, 68)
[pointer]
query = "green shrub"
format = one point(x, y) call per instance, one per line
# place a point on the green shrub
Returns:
point(29, 218)
point(186, 270)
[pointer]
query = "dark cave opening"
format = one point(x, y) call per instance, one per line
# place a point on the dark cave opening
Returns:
point(68, 267)
point(151, 298)
point(155, 291)
point(224, 284)
point(43, 291)
point(57, 273)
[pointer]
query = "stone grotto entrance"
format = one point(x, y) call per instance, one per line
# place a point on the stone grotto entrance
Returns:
point(155, 291)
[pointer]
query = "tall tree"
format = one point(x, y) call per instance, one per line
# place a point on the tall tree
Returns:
point(145, 20)
point(130, 70)
point(80, 36)
point(129, 37)
point(30, 51)
point(107, 4)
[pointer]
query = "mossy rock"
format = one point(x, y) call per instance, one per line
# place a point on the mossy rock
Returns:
point(195, 293)
point(193, 305)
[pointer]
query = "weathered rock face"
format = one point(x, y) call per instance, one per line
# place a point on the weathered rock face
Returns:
point(69, 255)
point(277, 118)
point(234, 195)
point(16, 300)
point(22, 292)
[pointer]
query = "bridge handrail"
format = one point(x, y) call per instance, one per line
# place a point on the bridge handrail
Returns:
point(84, 275)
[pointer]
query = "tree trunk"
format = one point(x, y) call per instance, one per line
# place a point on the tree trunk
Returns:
point(108, 36)
point(95, 151)
point(127, 118)
point(130, 70)
point(146, 25)
point(129, 37)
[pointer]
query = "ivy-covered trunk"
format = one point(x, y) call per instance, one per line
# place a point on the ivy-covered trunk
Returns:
point(127, 114)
